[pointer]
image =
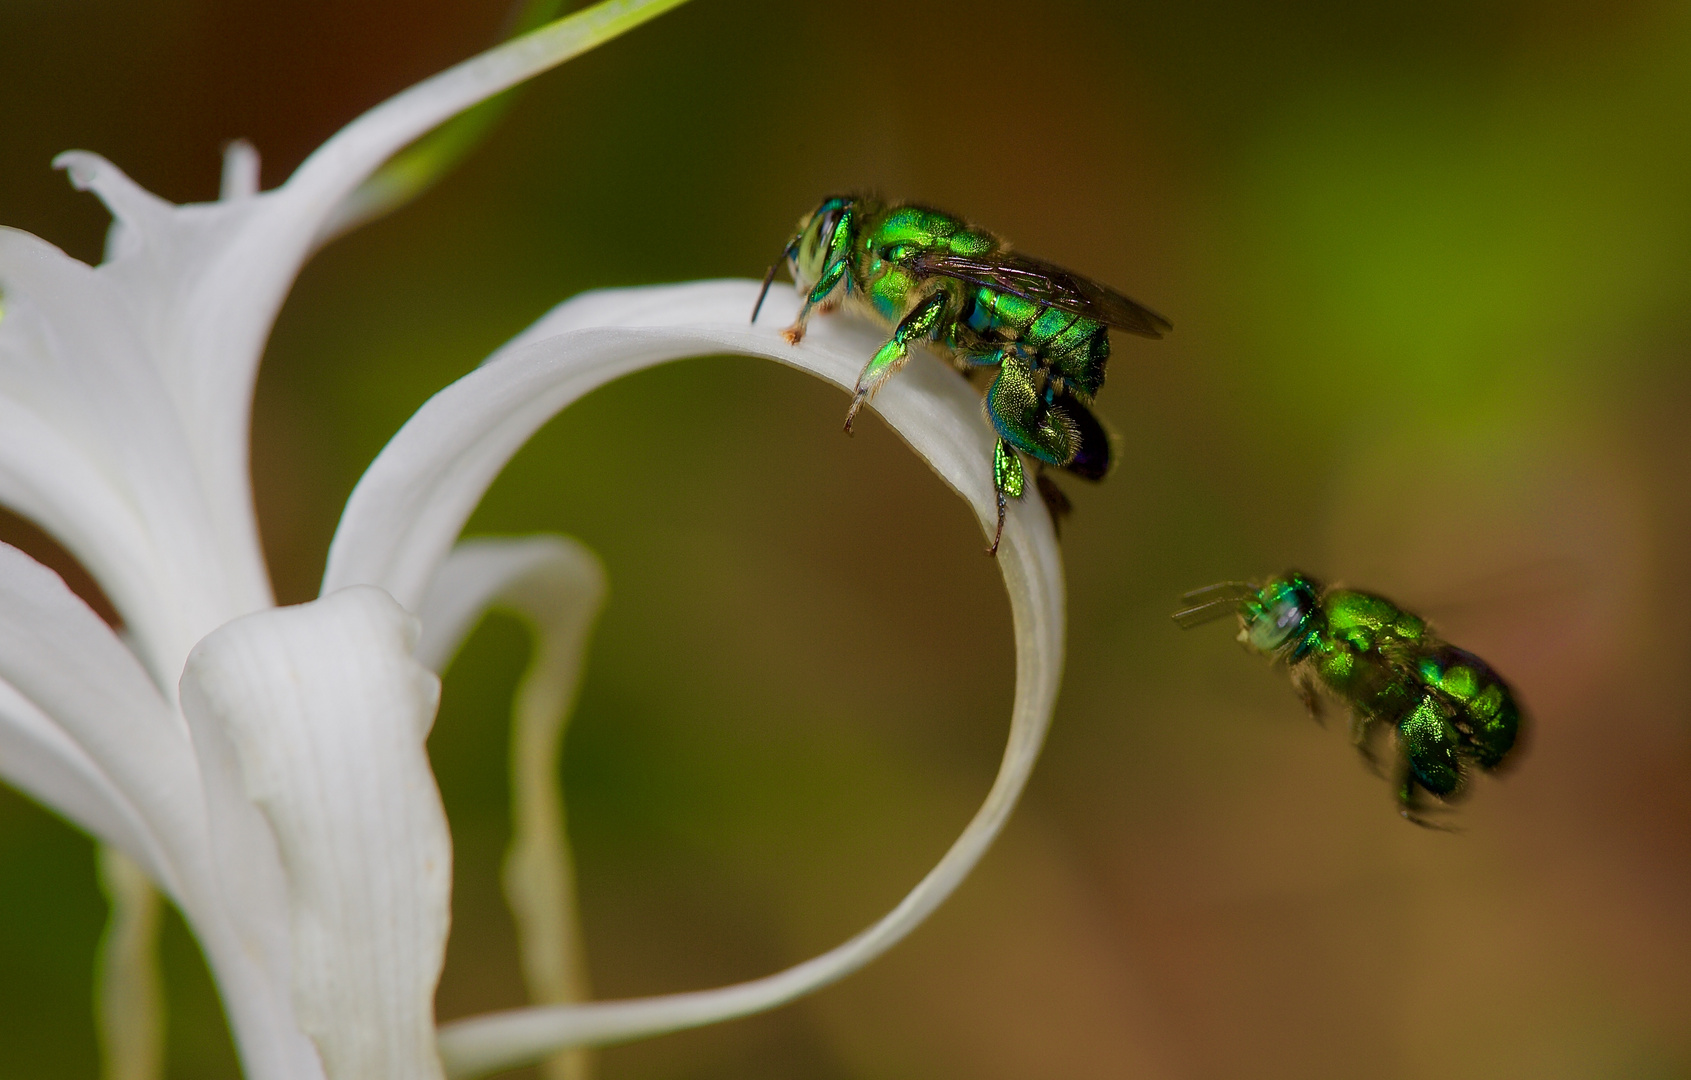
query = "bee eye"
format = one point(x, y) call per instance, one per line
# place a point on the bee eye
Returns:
point(1277, 621)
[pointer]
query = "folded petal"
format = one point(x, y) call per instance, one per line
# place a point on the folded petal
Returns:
point(412, 502)
point(326, 712)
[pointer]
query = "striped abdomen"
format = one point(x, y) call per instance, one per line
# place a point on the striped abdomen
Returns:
point(1073, 347)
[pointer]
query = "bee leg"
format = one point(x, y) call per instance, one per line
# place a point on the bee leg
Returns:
point(1303, 681)
point(921, 323)
point(1018, 412)
point(1008, 482)
point(1427, 747)
point(819, 297)
point(1364, 733)
point(834, 276)
point(1414, 807)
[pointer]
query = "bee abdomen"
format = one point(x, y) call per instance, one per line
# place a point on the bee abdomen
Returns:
point(1487, 715)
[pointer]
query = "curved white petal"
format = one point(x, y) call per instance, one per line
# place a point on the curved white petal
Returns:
point(84, 729)
point(327, 712)
point(124, 410)
point(557, 586)
point(43, 762)
point(64, 665)
point(95, 449)
point(410, 505)
point(145, 364)
point(554, 582)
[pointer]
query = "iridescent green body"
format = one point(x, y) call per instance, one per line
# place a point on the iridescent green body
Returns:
point(1447, 709)
point(931, 278)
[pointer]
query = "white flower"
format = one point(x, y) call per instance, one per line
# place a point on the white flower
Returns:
point(265, 767)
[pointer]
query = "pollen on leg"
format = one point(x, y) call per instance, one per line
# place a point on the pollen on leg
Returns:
point(794, 334)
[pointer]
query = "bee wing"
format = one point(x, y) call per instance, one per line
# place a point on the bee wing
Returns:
point(1045, 283)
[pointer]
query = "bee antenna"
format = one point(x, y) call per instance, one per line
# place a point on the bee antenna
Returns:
point(1209, 611)
point(769, 277)
point(1221, 590)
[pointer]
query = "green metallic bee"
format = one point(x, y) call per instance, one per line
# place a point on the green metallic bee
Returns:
point(1447, 709)
point(935, 279)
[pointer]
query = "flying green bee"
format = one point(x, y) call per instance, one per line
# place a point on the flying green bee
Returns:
point(1447, 709)
point(935, 279)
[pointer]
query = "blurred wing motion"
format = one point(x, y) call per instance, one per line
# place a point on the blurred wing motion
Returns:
point(1043, 283)
point(1212, 602)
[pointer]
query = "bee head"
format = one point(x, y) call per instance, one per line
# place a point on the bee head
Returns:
point(1277, 618)
point(807, 255)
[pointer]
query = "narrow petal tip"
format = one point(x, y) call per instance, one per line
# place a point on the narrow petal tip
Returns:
point(240, 170)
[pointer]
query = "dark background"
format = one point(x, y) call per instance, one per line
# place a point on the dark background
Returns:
point(1428, 265)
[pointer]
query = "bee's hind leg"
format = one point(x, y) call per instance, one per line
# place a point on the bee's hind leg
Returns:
point(1008, 482)
point(919, 325)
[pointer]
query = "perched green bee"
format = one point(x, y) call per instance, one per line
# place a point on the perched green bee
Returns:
point(1447, 709)
point(935, 279)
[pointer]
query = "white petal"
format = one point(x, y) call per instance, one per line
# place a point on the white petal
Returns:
point(327, 712)
point(62, 664)
point(558, 587)
point(553, 581)
point(83, 728)
point(146, 364)
point(414, 499)
point(240, 171)
point(410, 505)
point(96, 451)
point(40, 760)
point(230, 264)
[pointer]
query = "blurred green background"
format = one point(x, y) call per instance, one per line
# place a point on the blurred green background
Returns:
point(1428, 266)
